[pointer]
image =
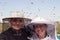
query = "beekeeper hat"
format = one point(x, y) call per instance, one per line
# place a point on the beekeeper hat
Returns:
point(50, 28)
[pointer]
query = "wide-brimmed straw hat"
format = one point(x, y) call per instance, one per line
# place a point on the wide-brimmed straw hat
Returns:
point(16, 14)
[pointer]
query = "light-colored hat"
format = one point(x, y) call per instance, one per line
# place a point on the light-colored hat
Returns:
point(51, 25)
point(16, 14)
point(41, 20)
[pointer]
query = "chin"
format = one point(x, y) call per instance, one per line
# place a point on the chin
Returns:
point(17, 28)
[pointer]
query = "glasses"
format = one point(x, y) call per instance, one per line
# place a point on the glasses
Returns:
point(17, 20)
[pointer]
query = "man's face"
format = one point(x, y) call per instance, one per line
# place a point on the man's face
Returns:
point(40, 29)
point(17, 23)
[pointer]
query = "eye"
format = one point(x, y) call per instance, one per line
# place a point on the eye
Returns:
point(20, 20)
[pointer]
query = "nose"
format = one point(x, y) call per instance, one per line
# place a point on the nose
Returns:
point(17, 22)
point(40, 29)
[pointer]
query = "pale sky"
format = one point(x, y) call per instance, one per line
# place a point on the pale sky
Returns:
point(49, 9)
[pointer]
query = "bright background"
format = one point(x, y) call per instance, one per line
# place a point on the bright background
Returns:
point(49, 9)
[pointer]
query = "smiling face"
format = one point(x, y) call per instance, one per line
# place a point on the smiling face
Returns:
point(40, 30)
point(17, 24)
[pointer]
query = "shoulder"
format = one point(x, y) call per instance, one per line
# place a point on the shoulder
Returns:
point(3, 36)
point(4, 33)
point(51, 38)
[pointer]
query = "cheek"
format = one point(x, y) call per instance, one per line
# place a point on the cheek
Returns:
point(37, 30)
point(13, 24)
point(21, 24)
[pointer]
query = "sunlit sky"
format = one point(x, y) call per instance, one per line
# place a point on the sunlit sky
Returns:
point(49, 9)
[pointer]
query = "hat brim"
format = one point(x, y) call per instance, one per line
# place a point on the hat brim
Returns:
point(52, 23)
point(7, 19)
point(50, 26)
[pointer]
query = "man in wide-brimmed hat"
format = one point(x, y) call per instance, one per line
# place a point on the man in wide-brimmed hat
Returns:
point(16, 30)
point(42, 29)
